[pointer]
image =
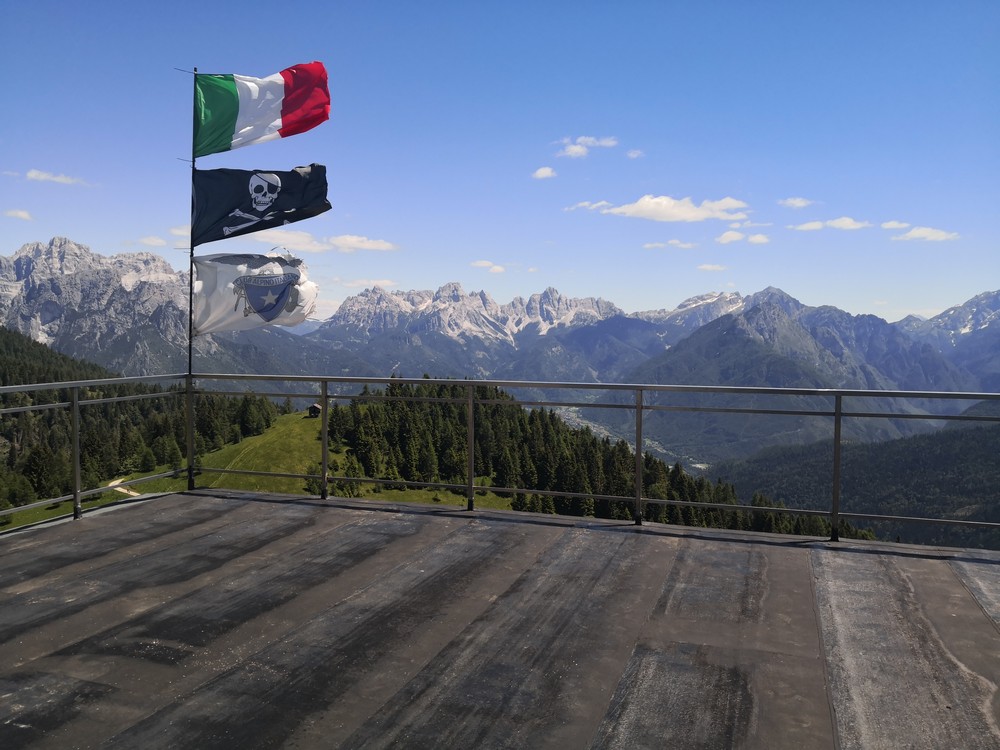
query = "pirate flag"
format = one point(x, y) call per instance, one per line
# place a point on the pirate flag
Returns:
point(240, 292)
point(231, 202)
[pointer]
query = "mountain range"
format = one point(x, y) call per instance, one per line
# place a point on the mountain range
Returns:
point(128, 312)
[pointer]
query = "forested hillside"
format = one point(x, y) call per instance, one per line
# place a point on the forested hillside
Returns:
point(954, 473)
point(423, 439)
point(115, 439)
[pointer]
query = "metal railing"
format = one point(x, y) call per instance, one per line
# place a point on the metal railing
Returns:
point(639, 399)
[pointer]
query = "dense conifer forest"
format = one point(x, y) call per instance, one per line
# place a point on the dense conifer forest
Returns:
point(953, 473)
point(115, 439)
point(417, 433)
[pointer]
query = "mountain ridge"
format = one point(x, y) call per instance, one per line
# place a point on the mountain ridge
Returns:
point(128, 313)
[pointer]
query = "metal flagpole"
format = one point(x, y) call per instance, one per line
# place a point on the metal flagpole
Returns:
point(190, 368)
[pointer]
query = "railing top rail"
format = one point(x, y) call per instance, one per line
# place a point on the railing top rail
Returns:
point(519, 384)
point(122, 380)
point(631, 387)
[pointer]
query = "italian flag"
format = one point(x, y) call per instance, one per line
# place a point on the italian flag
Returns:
point(232, 111)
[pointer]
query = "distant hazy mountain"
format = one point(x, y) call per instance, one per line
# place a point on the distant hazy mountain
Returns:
point(777, 342)
point(128, 313)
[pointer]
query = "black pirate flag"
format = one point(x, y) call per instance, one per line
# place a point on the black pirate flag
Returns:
point(231, 202)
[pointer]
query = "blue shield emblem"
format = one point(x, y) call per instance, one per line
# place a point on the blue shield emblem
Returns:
point(267, 295)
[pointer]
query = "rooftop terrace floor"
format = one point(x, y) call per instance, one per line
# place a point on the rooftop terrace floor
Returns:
point(224, 620)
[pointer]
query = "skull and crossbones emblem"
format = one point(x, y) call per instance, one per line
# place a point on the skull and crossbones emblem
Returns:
point(264, 188)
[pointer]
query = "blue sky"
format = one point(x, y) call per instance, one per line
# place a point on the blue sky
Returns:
point(643, 152)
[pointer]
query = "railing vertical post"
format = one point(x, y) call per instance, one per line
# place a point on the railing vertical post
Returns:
point(189, 408)
point(638, 457)
point(75, 419)
point(324, 438)
point(835, 497)
point(470, 447)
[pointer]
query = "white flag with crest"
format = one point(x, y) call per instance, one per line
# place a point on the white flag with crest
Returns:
point(241, 292)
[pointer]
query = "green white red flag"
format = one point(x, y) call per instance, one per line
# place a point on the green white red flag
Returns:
point(231, 111)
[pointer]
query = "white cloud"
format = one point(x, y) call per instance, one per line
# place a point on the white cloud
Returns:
point(731, 236)
point(579, 147)
point(711, 267)
point(18, 213)
point(368, 283)
point(669, 243)
point(846, 222)
point(289, 239)
point(488, 264)
point(183, 231)
point(928, 234)
point(543, 173)
point(152, 241)
point(665, 208)
point(795, 202)
point(758, 239)
point(348, 243)
point(574, 151)
point(634, 154)
point(894, 224)
point(598, 206)
point(40, 176)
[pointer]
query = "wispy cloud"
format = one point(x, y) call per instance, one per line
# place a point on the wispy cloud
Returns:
point(304, 242)
point(152, 241)
point(730, 236)
point(595, 206)
point(669, 243)
point(894, 225)
point(733, 236)
point(289, 239)
point(349, 243)
point(927, 234)
point(544, 173)
point(184, 231)
point(795, 202)
point(18, 213)
point(39, 176)
point(369, 283)
point(634, 153)
point(488, 265)
point(665, 208)
point(844, 222)
point(711, 267)
point(577, 148)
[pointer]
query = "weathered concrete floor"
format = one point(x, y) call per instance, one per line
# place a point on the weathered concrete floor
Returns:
point(249, 621)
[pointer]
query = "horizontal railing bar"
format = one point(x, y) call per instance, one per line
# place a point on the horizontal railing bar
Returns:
point(136, 397)
point(89, 383)
point(669, 388)
point(86, 493)
point(35, 407)
point(922, 519)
